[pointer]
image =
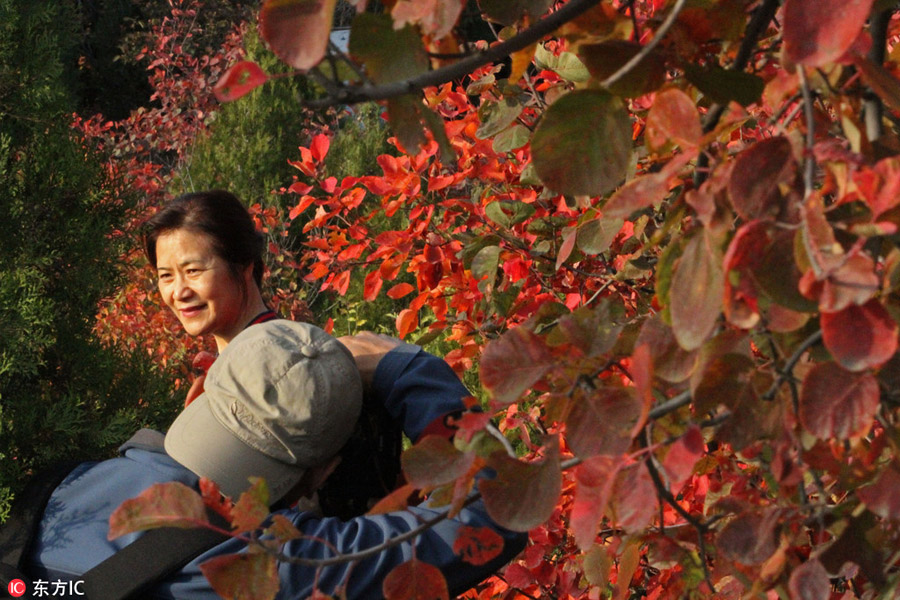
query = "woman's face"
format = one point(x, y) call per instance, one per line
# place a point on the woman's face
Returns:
point(199, 286)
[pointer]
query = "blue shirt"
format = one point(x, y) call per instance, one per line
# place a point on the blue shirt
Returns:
point(416, 388)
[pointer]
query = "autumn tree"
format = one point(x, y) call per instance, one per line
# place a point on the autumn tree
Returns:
point(666, 239)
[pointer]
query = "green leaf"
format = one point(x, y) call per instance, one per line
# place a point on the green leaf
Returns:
point(596, 235)
point(248, 576)
point(497, 116)
point(389, 55)
point(485, 264)
point(523, 495)
point(695, 298)
point(722, 85)
point(566, 64)
point(582, 146)
point(511, 138)
point(170, 504)
point(508, 213)
point(405, 118)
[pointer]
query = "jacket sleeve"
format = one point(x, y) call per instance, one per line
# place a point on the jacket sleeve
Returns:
point(420, 389)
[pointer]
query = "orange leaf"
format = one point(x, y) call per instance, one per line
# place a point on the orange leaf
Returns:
point(297, 30)
point(407, 322)
point(478, 545)
point(239, 80)
point(170, 504)
point(396, 500)
point(250, 575)
point(372, 285)
point(415, 580)
point(673, 118)
point(400, 290)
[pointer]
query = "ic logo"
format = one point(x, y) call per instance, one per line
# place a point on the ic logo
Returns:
point(16, 588)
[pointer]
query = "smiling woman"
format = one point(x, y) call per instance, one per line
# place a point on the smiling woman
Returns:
point(208, 257)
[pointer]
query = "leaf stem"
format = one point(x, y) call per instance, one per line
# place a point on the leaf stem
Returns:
point(809, 161)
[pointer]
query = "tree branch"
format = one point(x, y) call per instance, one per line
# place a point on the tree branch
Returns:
point(546, 26)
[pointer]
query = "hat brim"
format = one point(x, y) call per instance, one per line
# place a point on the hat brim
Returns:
point(198, 441)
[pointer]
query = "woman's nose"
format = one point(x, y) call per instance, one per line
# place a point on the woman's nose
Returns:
point(182, 289)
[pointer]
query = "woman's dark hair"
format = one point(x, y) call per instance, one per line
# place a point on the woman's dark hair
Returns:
point(219, 215)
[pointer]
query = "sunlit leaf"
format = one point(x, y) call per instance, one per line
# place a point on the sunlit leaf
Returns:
point(407, 322)
point(436, 17)
point(565, 64)
point(252, 507)
point(818, 33)
point(239, 80)
point(673, 118)
point(860, 337)
point(605, 58)
point(478, 545)
point(582, 146)
point(696, 293)
point(513, 363)
point(540, 483)
point(389, 55)
point(247, 576)
point(595, 479)
point(170, 504)
point(415, 580)
point(434, 461)
point(297, 30)
point(835, 403)
point(723, 86)
point(372, 285)
point(507, 12)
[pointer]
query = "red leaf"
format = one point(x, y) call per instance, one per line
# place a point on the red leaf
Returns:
point(434, 461)
point(513, 363)
point(820, 32)
point(400, 290)
point(250, 575)
point(674, 118)
point(644, 190)
point(319, 148)
point(595, 478)
point(407, 322)
point(757, 173)
point(810, 581)
point(860, 337)
point(880, 186)
point(239, 80)
point(304, 203)
point(170, 504)
point(341, 283)
point(881, 497)
point(634, 499)
point(682, 456)
point(478, 545)
point(601, 421)
point(540, 483)
point(415, 580)
point(372, 285)
point(297, 30)
point(213, 498)
point(837, 403)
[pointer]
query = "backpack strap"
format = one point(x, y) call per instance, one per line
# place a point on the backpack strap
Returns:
point(18, 533)
point(154, 556)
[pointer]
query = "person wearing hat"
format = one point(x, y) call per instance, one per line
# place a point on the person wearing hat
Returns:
point(280, 402)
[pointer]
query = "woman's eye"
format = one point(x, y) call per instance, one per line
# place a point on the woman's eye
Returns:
point(165, 276)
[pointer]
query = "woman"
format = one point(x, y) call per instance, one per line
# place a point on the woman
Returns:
point(208, 258)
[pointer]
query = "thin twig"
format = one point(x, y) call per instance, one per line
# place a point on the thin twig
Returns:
point(646, 50)
point(670, 405)
point(787, 370)
point(809, 161)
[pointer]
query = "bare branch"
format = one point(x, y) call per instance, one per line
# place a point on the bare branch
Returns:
point(546, 26)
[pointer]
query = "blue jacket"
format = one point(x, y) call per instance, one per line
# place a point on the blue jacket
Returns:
point(415, 387)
